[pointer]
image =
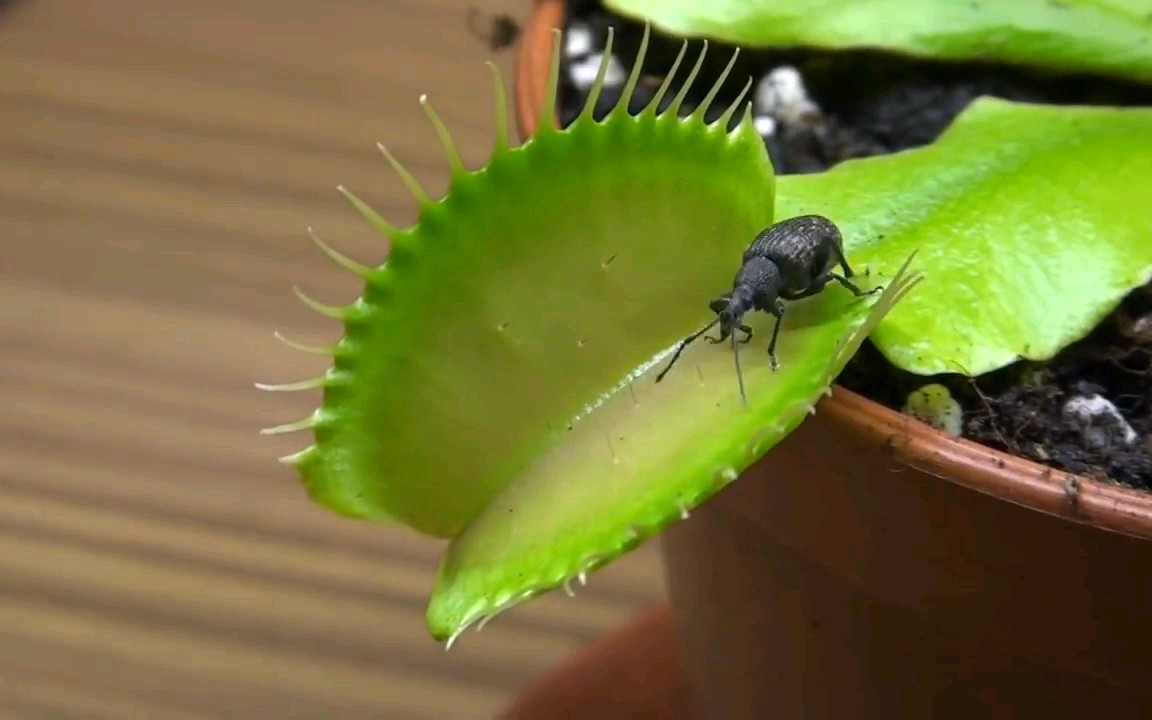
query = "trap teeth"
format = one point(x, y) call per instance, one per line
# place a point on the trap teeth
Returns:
point(607, 63)
point(678, 100)
point(726, 117)
point(309, 384)
point(297, 457)
point(706, 103)
point(374, 218)
point(658, 97)
point(406, 177)
point(727, 475)
point(447, 144)
point(337, 257)
point(314, 349)
point(501, 99)
point(629, 90)
point(305, 424)
point(332, 311)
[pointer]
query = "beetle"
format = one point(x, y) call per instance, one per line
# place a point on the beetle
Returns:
point(790, 260)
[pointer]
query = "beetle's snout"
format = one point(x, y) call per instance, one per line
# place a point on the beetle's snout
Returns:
point(734, 311)
point(730, 318)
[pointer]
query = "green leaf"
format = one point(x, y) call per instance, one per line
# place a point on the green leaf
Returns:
point(1032, 223)
point(1109, 37)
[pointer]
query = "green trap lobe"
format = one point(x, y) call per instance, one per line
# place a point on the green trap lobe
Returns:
point(502, 321)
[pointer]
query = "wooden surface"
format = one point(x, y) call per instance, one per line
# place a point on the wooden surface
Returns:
point(159, 166)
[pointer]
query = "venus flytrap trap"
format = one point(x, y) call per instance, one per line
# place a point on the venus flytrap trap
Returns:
point(495, 381)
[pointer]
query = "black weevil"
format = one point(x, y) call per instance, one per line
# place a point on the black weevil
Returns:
point(793, 259)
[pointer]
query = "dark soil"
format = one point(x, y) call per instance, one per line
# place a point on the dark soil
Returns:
point(873, 104)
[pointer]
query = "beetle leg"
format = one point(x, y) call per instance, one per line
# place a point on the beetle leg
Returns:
point(779, 313)
point(855, 290)
point(843, 262)
point(683, 344)
point(724, 333)
point(747, 334)
point(815, 287)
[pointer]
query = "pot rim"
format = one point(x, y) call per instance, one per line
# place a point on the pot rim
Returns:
point(1011, 478)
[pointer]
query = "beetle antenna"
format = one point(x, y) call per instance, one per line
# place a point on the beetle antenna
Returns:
point(683, 344)
point(739, 372)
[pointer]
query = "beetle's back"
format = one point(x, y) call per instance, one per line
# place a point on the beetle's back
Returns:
point(803, 247)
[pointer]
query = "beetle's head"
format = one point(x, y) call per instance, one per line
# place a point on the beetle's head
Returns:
point(731, 308)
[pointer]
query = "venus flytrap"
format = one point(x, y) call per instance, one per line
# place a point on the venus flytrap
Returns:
point(495, 381)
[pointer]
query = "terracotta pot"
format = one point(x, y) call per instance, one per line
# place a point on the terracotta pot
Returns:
point(871, 566)
point(635, 671)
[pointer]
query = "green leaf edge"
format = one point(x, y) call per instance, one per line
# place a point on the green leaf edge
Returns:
point(1055, 28)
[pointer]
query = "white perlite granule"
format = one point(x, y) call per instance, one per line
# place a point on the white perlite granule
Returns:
point(578, 40)
point(765, 125)
point(1099, 422)
point(583, 72)
point(782, 95)
point(1141, 329)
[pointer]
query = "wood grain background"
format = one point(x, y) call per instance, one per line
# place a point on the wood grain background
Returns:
point(159, 165)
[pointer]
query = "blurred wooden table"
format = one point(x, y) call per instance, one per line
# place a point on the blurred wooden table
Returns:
point(159, 164)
